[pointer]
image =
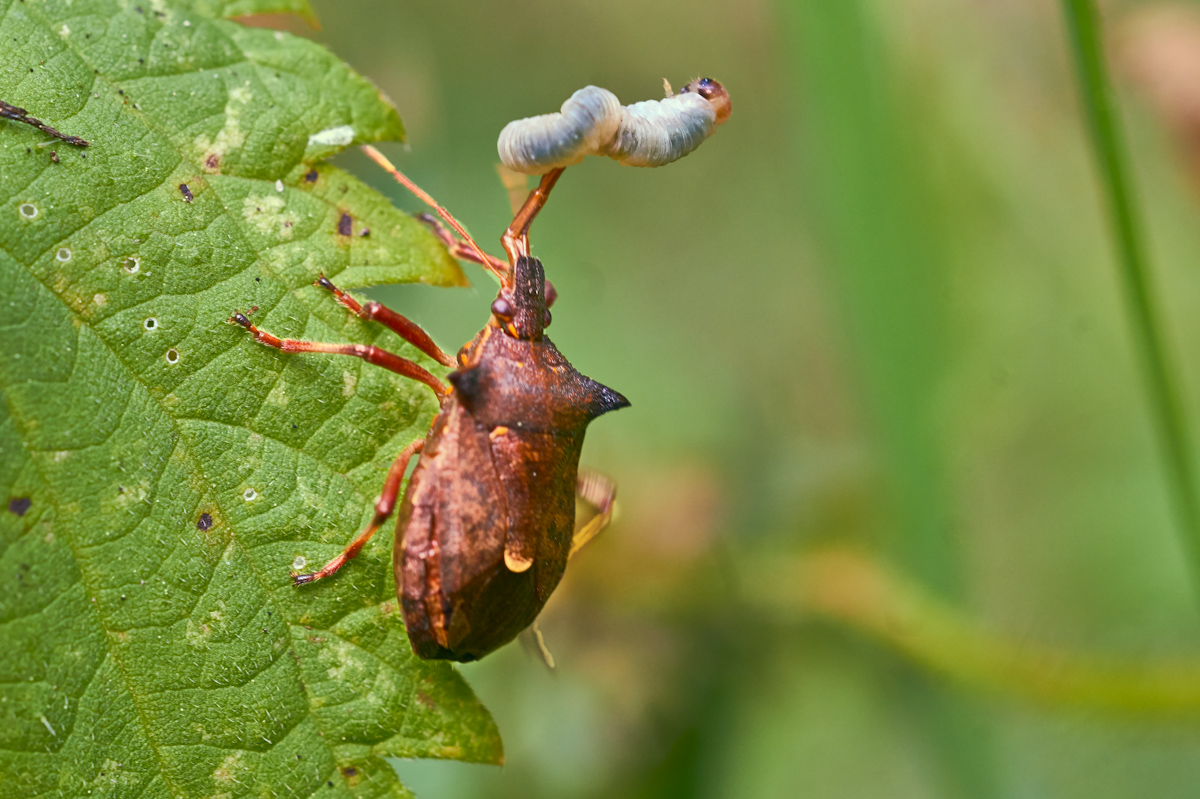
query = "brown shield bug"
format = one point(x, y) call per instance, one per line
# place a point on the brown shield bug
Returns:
point(487, 521)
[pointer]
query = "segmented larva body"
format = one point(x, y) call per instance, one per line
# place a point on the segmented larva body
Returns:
point(593, 122)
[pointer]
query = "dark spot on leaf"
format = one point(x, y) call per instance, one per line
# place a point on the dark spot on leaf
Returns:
point(186, 192)
point(213, 162)
point(330, 783)
point(311, 176)
point(19, 505)
point(349, 771)
point(54, 156)
point(205, 522)
point(345, 225)
point(425, 699)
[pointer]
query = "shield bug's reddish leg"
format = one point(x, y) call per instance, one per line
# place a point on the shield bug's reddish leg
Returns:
point(370, 354)
point(601, 493)
point(384, 506)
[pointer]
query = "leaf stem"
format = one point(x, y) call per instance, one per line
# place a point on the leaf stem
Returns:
point(856, 590)
point(1084, 29)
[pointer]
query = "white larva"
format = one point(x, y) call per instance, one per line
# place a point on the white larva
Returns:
point(588, 122)
point(593, 122)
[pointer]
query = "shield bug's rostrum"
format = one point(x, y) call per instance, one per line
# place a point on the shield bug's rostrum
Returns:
point(487, 521)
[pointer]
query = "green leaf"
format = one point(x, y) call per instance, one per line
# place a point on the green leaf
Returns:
point(159, 471)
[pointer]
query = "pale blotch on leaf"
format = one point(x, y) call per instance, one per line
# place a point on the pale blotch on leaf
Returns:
point(278, 395)
point(299, 563)
point(27, 210)
point(232, 136)
point(249, 495)
point(132, 264)
point(333, 137)
point(225, 773)
point(100, 299)
point(63, 255)
point(349, 381)
point(172, 356)
point(265, 212)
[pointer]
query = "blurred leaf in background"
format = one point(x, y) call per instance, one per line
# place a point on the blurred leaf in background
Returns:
point(877, 308)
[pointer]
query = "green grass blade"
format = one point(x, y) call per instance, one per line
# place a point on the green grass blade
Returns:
point(1111, 154)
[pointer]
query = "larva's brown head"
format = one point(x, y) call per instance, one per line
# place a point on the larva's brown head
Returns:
point(715, 93)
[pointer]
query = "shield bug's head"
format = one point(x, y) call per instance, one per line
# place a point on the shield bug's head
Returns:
point(715, 93)
point(521, 308)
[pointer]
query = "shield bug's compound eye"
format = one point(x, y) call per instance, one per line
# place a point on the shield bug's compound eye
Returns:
point(502, 309)
point(546, 319)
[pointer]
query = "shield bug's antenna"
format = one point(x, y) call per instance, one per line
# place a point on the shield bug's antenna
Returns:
point(483, 258)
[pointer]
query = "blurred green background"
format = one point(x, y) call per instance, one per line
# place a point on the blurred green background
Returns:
point(878, 310)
